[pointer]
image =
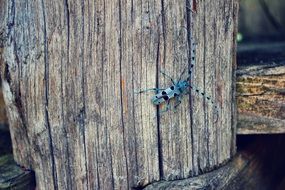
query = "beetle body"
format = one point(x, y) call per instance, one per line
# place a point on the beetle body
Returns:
point(173, 91)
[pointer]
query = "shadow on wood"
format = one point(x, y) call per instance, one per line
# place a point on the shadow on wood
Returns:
point(259, 164)
point(14, 177)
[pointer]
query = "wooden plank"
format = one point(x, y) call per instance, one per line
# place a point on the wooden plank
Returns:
point(251, 124)
point(261, 89)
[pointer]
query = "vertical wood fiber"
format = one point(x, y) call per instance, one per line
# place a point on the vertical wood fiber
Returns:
point(70, 69)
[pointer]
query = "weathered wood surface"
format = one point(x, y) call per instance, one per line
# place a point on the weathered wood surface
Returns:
point(3, 116)
point(69, 71)
point(258, 165)
point(13, 176)
point(249, 169)
point(217, 179)
point(261, 89)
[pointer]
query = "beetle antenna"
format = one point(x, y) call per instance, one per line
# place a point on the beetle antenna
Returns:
point(190, 71)
point(182, 74)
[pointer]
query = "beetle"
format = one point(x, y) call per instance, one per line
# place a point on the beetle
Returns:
point(179, 88)
point(175, 91)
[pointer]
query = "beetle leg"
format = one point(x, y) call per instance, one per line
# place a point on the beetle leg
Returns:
point(178, 102)
point(166, 75)
point(167, 107)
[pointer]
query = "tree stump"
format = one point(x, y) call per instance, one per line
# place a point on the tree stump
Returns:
point(70, 70)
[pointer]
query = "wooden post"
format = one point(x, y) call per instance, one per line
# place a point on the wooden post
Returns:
point(70, 69)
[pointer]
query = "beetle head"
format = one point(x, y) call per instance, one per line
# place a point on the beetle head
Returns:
point(182, 85)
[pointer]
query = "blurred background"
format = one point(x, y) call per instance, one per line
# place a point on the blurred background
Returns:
point(262, 20)
point(261, 32)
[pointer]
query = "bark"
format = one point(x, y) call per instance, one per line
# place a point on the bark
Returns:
point(70, 69)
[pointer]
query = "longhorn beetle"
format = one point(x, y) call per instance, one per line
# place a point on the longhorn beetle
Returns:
point(178, 89)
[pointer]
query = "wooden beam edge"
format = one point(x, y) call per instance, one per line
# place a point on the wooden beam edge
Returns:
point(216, 179)
point(252, 124)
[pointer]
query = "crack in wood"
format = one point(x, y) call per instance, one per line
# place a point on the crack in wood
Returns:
point(46, 87)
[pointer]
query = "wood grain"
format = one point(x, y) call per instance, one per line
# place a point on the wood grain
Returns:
point(70, 69)
point(217, 179)
point(261, 89)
